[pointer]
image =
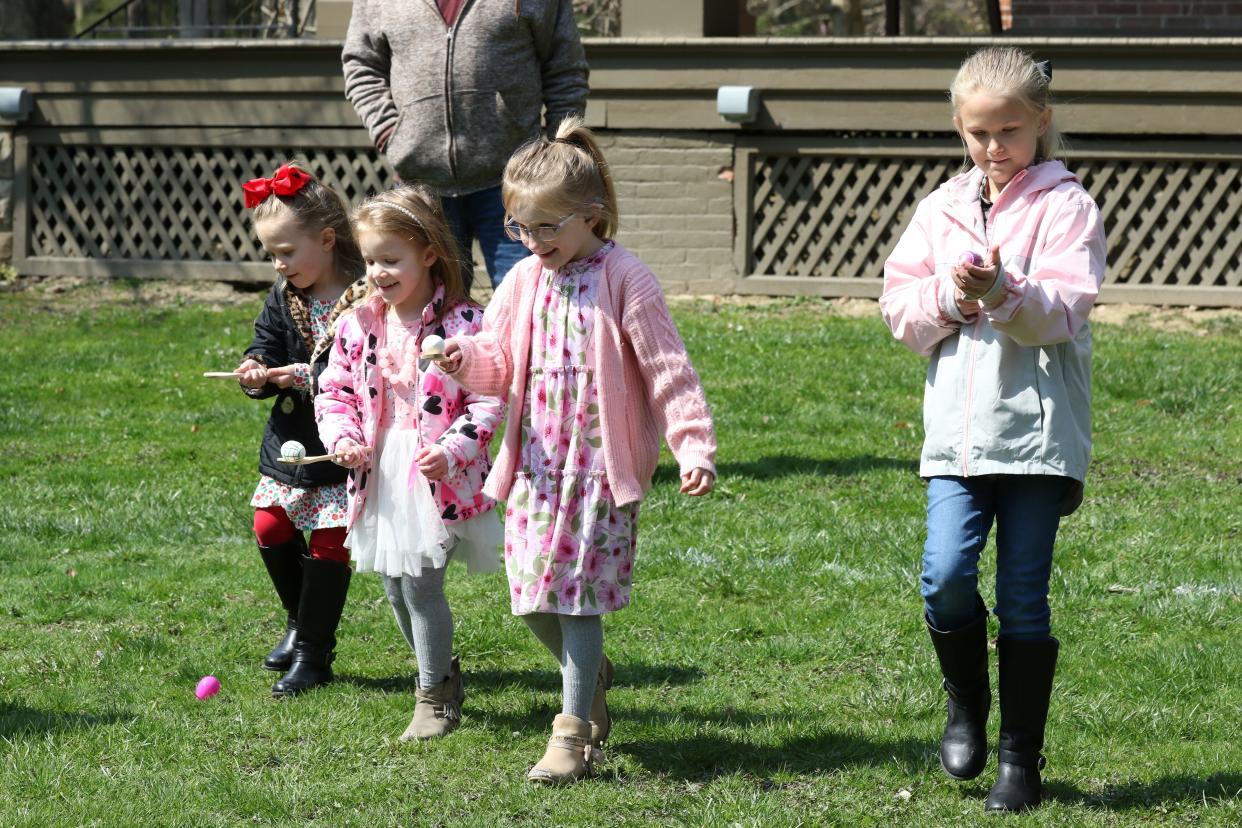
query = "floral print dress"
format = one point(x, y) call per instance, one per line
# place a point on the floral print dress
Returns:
point(317, 507)
point(569, 549)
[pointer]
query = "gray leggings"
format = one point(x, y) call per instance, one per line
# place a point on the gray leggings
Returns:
point(577, 643)
point(425, 620)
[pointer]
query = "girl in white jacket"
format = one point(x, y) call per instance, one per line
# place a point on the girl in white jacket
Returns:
point(1007, 407)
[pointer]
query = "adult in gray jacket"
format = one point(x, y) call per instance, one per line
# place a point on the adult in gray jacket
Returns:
point(450, 88)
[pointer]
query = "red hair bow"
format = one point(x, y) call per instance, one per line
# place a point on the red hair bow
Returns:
point(286, 182)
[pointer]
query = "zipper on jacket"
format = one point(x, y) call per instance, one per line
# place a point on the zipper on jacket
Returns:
point(970, 368)
point(449, 46)
point(974, 339)
point(970, 383)
point(448, 101)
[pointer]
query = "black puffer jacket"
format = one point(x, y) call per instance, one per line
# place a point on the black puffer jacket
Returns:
point(277, 342)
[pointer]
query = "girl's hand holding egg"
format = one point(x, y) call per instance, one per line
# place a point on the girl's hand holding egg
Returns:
point(972, 278)
point(444, 354)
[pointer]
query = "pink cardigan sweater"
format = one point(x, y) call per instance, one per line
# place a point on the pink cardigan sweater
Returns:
point(646, 382)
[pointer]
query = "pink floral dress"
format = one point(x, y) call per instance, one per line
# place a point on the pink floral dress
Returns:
point(316, 507)
point(568, 548)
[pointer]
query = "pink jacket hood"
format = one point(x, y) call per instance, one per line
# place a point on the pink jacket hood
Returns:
point(964, 189)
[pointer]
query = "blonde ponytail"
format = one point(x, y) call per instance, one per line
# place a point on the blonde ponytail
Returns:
point(563, 175)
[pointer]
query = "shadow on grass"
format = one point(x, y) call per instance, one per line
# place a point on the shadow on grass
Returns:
point(635, 675)
point(18, 720)
point(705, 756)
point(1225, 786)
point(780, 465)
point(716, 749)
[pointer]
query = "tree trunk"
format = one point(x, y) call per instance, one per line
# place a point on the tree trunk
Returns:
point(854, 23)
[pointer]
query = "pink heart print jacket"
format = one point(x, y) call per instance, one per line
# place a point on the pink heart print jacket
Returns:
point(351, 397)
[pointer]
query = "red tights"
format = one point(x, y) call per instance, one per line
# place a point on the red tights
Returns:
point(272, 527)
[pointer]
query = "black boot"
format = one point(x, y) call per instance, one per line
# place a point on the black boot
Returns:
point(963, 655)
point(324, 587)
point(284, 565)
point(1026, 669)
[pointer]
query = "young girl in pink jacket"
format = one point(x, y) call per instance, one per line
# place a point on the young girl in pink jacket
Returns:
point(1007, 407)
point(579, 337)
point(415, 441)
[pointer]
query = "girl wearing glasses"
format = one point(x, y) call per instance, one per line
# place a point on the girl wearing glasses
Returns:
point(580, 339)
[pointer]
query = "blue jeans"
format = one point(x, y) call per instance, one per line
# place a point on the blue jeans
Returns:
point(481, 215)
point(960, 512)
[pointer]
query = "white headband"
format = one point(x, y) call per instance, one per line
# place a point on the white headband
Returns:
point(405, 210)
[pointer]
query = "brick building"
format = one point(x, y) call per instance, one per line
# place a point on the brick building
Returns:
point(1110, 18)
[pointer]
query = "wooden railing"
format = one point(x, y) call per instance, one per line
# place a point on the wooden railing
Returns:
point(129, 166)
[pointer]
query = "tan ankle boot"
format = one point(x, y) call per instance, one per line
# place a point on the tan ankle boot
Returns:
point(570, 754)
point(601, 719)
point(437, 709)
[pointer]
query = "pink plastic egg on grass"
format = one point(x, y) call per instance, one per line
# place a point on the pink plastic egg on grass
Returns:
point(971, 258)
point(207, 687)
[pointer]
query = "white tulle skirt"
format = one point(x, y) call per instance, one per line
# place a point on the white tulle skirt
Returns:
point(400, 531)
point(478, 541)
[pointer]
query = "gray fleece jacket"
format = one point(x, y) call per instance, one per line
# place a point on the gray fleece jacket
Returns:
point(448, 106)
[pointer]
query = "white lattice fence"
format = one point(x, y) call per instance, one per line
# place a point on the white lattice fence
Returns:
point(169, 203)
point(825, 223)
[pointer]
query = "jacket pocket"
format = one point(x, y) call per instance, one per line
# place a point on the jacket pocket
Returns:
point(485, 133)
point(418, 148)
point(944, 391)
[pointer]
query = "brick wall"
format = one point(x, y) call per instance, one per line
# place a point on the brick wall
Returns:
point(6, 194)
point(1122, 18)
point(675, 195)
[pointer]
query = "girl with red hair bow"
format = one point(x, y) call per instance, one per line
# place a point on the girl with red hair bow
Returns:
point(304, 227)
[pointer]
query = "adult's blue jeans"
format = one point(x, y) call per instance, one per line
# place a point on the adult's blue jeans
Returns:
point(481, 216)
point(960, 513)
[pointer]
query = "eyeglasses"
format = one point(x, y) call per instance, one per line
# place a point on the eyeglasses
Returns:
point(540, 233)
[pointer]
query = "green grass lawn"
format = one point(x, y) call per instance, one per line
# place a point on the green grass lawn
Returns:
point(772, 670)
